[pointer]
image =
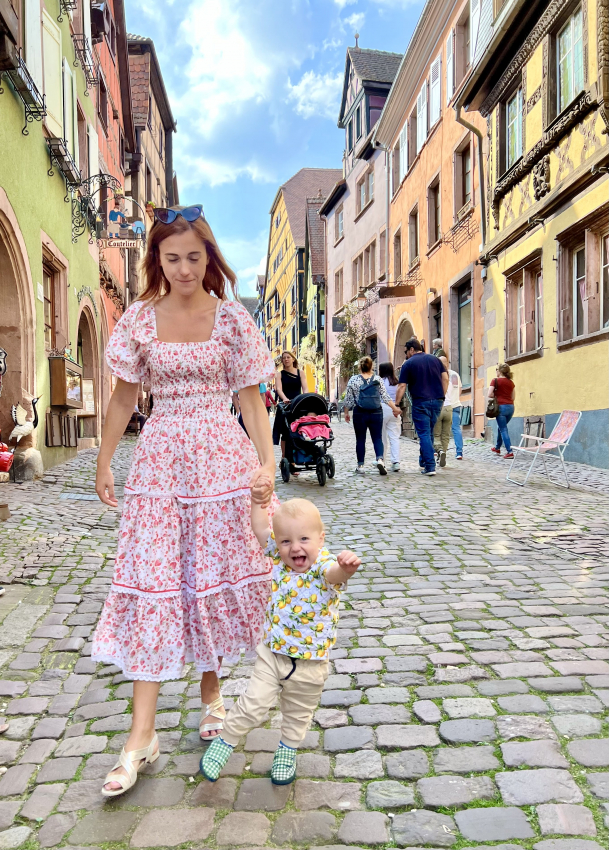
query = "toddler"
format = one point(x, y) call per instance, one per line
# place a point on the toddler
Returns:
point(300, 626)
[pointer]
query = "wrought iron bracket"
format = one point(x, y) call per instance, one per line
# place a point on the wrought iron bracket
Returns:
point(65, 7)
point(61, 158)
point(84, 211)
point(34, 103)
point(84, 58)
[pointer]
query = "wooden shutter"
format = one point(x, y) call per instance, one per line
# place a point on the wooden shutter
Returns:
point(434, 91)
point(53, 88)
point(33, 42)
point(474, 18)
point(86, 23)
point(565, 294)
point(592, 311)
point(530, 277)
point(422, 116)
point(450, 66)
point(93, 148)
point(511, 315)
point(69, 108)
point(403, 151)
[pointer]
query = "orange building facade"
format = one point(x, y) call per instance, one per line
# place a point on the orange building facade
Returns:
point(434, 228)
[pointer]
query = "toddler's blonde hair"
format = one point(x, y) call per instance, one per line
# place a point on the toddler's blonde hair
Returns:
point(297, 508)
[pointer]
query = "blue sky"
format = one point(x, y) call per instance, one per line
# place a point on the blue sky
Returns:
point(255, 87)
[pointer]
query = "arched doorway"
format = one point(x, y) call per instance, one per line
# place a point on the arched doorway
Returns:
point(16, 321)
point(404, 333)
point(87, 356)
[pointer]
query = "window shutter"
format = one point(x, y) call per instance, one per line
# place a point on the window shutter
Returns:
point(434, 91)
point(33, 42)
point(51, 44)
point(75, 121)
point(404, 150)
point(530, 306)
point(93, 151)
point(593, 272)
point(86, 21)
point(422, 117)
point(475, 27)
point(512, 319)
point(68, 108)
point(450, 66)
point(565, 300)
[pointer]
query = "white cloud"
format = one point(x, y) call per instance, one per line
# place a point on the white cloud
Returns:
point(316, 94)
point(342, 3)
point(355, 21)
point(248, 255)
point(217, 171)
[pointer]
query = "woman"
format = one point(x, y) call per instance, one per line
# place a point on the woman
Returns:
point(289, 383)
point(504, 390)
point(269, 401)
point(365, 395)
point(391, 426)
point(190, 581)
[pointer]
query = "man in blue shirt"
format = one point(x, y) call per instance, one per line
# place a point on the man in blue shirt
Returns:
point(427, 380)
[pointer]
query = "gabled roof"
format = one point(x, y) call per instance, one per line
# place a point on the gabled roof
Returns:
point(250, 303)
point(316, 234)
point(145, 74)
point(370, 66)
point(306, 183)
point(260, 282)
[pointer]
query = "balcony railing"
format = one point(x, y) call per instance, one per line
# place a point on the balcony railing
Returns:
point(84, 57)
point(61, 158)
point(25, 88)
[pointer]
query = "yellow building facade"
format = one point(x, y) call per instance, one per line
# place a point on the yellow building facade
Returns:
point(545, 305)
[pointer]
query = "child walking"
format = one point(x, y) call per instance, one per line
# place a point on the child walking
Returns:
point(300, 627)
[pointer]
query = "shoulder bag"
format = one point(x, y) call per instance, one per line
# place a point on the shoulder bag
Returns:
point(492, 407)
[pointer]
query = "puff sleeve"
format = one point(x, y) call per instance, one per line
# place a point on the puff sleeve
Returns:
point(126, 351)
point(249, 361)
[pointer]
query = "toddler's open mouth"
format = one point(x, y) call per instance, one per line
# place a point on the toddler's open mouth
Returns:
point(300, 561)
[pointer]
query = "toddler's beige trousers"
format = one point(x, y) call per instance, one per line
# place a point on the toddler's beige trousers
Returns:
point(295, 683)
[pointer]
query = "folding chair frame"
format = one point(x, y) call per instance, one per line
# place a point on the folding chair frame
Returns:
point(538, 453)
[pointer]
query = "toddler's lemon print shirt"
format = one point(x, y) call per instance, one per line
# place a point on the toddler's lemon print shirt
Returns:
point(302, 610)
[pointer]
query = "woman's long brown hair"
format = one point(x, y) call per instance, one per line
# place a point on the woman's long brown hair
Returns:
point(217, 274)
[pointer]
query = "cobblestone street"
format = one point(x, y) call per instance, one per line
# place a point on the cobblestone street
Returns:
point(466, 707)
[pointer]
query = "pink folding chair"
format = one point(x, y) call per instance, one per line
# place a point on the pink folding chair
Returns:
point(553, 446)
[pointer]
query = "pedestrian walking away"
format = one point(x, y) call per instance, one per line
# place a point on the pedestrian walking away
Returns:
point(427, 380)
point(445, 423)
point(289, 383)
point(454, 393)
point(191, 581)
point(392, 426)
point(365, 395)
point(503, 389)
point(300, 627)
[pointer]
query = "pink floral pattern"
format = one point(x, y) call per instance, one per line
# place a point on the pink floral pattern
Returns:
point(191, 582)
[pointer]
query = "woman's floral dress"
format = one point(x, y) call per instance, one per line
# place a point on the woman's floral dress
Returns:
point(191, 581)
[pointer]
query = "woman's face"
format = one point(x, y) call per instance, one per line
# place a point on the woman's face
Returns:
point(287, 361)
point(184, 262)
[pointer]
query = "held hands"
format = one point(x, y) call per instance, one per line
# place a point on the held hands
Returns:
point(348, 562)
point(262, 487)
point(104, 487)
point(347, 416)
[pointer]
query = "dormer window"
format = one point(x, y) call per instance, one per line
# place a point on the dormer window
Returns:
point(358, 122)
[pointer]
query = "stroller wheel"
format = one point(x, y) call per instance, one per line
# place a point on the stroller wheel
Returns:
point(331, 466)
point(284, 468)
point(321, 472)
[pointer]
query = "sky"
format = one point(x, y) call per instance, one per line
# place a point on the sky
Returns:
point(255, 87)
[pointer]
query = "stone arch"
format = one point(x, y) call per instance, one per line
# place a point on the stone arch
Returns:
point(87, 352)
point(404, 332)
point(17, 316)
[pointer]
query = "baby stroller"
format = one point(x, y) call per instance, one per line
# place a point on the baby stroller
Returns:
point(309, 436)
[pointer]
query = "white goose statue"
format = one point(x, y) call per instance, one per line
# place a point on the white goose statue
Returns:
point(23, 426)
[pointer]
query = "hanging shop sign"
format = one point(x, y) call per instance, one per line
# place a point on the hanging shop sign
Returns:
point(118, 243)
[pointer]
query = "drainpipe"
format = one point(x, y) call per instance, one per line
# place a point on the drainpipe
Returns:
point(461, 120)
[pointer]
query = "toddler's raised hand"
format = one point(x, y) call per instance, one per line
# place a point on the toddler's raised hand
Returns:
point(348, 561)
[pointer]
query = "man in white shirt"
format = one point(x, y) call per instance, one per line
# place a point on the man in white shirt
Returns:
point(445, 423)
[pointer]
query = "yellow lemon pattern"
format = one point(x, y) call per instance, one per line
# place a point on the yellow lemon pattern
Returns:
point(302, 611)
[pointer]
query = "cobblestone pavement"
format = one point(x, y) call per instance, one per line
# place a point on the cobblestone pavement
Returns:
point(467, 704)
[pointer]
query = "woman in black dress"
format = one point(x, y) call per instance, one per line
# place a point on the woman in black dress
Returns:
point(289, 383)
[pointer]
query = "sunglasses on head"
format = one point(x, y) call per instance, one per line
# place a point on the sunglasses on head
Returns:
point(166, 216)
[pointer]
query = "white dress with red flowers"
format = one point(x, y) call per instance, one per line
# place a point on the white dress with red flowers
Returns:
point(191, 581)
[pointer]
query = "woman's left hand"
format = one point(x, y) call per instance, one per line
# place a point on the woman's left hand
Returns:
point(262, 485)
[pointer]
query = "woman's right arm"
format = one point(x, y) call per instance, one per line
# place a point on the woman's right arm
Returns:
point(122, 405)
point(278, 387)
point(349, 401)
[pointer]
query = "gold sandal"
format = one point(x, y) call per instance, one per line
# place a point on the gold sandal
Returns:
point(126, 760)
point(214, 709)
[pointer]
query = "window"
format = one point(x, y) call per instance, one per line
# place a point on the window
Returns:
point(464, 324)
point(276, 302)
point(83, 143)
point(371, 184)
point(463, 178)
point(578, 259)
point(294, 296)
point(397, 256)
point(434, 229)
point(293, 336)
point(376, 104)
point(361, 194)
point(48, 283)
point(161, 141)
point(462, 48)
point(434, 92)
point(350, 136)
point(111, 38)
point(283, 311)
point(513, 121)
point(365, 190)
point(370, 264)
point(382, 250)
point(435, 317)
point(450, 66)
point(357, 278)
point(338, 289)
point(269, 311)
point(358, 122)
point(413, 237)
point(422, 117)
point(148, 183)
point(411, 135)
point(122, 149)
point(269, 343)
point(604, 322)
point(277, 220)
point(102, 103)
point(338, 224)
point(523, 310)
point(570, 58)
point(276, 337)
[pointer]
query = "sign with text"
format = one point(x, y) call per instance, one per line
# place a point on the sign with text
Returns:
point(339, 325)
point(119, 243)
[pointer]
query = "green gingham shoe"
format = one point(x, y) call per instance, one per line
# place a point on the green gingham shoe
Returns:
point(218, 753)
point(283, 771)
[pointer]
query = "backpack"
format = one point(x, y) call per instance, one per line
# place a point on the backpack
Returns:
point(370, 395)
